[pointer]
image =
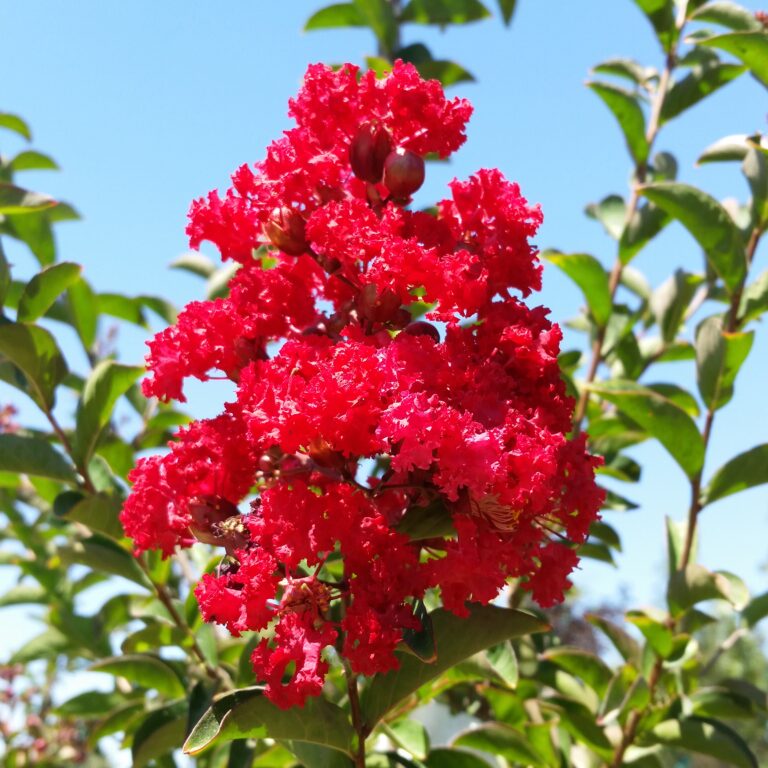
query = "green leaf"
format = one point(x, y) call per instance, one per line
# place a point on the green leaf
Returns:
point(25, 594)
point(421, 642)
point(247, 713)
point(453, 758)
point(744, 471)
point(611, 212)
point(654, 629)
point(729, 15)
point(626, 109)
point(661, 14)
point(145, 671)
point(626, 68)
point(90, 704)
point(33, 351)
point(46, 645)
point(661, 418)
point(754, 300)
point(160, 307)
point(107, 382)
point(83, 306)
point(755, 167)
point(708, 222)
point(15, 200)
point(312, 755)
point(700, 83)
point(34, 229)
point(122, 307)
point(624, 643)
point(330, 17)
point(695, 584)
point(426, 522)
point(161, 732)
point(507, 9)
point(582, 664)
point(34, 456)
point(732, 147)
point(750, 47)
point(98, 512)
point(444, 12)
point(44, 288)
point(29, 160)
point(104, 556)
point(588, 273)
point(719, 356)
point(677, 533)
point(379, 16)
point(5, 277)
point(644, 224)
point(670, 301)
point(411, 736)
point(499, 739)
point(682, 398)
point(706, 737)
point(457, 639)
point(447, 72)
point(756, 610)
point(16, 124)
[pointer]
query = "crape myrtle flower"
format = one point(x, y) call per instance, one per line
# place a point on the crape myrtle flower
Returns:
point(353, 413)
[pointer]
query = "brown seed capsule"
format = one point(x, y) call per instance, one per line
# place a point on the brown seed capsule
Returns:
point(423, 328)
point(285, 230)
point(368, 151)
point(403, 173)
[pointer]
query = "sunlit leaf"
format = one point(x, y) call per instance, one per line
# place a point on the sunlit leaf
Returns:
point(248, 713)
point(44, 288)
point(144, 670)
point(750, 47)
point(15, 200)
point(629, 114)
point(744, 471)
point(708, 222)
point(456, 639)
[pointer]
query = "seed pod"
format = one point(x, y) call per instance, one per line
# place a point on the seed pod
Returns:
point(403, 173)
point(368, 151)
point(285, 229)
point(423, 328)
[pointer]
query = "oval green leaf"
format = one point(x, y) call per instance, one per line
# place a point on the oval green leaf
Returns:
point(708, 222)
point(145, 671)
point(750, 47)
point(744, 471)
point(247, 713)
point(456, 639)
point(44, 288)
point(660, 418)
point(627, 111)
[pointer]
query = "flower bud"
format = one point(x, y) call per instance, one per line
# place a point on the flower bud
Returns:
point(285, 230)
point(378, 307)
point(207, 513)
point(423, 328)
point(368, 151)
point(403, 173)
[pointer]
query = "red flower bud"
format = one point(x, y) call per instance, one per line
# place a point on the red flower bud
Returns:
point(403, 173)
point(423, 328)
point(378, 307)
point(368, 151)
point(285, 230)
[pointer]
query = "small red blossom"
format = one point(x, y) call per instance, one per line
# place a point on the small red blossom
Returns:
point(353, 412)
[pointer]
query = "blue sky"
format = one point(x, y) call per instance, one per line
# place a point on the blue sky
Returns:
point(147, 105)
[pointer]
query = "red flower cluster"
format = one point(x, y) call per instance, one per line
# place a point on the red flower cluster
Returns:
point(383, 455)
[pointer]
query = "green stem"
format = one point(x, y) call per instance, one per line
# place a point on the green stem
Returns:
point(357, 715)
point(218, 674)
point(641, 172)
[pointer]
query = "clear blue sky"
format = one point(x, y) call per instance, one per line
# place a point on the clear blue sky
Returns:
point(146, 105)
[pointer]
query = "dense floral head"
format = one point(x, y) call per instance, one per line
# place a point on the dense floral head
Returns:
point(376, 452)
